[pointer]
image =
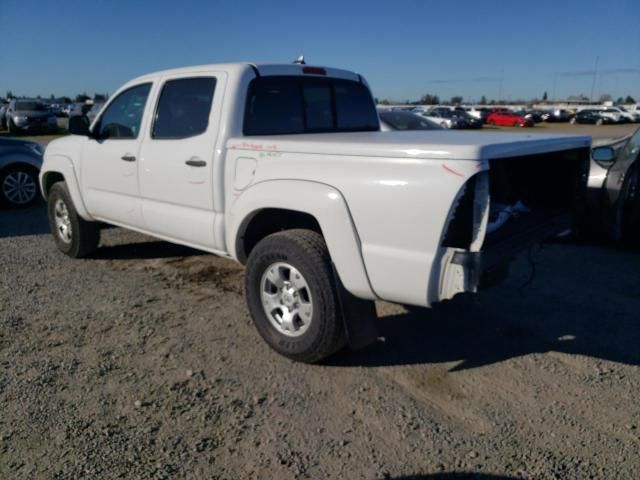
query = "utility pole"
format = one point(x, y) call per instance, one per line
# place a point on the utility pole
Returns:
point(593, 84)
point(553, 92)
point(500, 85)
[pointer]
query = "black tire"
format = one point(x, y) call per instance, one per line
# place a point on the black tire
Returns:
point(307, 252)
point(11, 128)
point(19, 186)
point(84, 235)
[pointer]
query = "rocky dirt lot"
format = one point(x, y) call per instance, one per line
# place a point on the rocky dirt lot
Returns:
point(142, 362)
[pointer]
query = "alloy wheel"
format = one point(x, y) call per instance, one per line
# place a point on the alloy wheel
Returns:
point(286, 299)
point(19, 187)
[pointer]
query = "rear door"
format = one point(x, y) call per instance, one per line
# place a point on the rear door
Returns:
point(177, 160)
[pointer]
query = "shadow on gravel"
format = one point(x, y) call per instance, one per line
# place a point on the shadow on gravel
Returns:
point(591, 311)
point(15, 222)
point(452, 476)
point(145, 251)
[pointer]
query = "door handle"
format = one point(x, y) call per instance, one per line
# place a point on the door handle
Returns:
point(128, 158)
point(196, 162)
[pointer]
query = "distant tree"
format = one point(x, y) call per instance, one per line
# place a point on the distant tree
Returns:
point(82, 97)
point(384, 101)
point(38, 97)
point(99, 97)
point(545, 97)
point(619, 101)
point(629, 99)
point(605, 97)
point(52, 97)
point(456, 100)
point(65, 99)
point(9, 95)
point(483, 100)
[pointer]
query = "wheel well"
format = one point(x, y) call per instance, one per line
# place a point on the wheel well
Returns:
point(268, 221)
point(49, 179)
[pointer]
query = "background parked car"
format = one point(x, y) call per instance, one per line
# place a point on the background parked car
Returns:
point(20, 163)
point(557, 115)
point(465, 120)
point(589, 116)
point(444, 118)
point(615, 116)
point(613, 197)
point(30, 115)
point(479, 113)
point(625, 117)
point(401, 120)
point(509, 119)
point(534, 115)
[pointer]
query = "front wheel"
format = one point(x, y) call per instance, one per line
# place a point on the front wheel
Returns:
point(292, 296)
point(73, 235)
point(573, 121)
point(599, 122)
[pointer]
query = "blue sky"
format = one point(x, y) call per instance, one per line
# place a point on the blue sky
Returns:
point(404, 48)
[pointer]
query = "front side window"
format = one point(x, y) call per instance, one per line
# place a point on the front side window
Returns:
point(289, 105)
point(122, 118)
point(184, 107)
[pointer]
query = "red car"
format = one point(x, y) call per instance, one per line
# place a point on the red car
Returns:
point(509, 119)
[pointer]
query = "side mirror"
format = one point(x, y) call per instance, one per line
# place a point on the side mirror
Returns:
point(79, 125)
point(603, 155)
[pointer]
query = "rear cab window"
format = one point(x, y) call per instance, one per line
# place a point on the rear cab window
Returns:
point(280, 105)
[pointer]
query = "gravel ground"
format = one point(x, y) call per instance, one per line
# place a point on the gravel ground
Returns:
point(142, 362)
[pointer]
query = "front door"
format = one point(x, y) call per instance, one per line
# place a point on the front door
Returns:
point(110, 159)
point(177, 167)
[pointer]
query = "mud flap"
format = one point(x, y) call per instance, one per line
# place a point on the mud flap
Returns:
point(359, 317)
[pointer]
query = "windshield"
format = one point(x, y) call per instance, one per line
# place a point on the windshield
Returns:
point(33, 106)
point(407, 121)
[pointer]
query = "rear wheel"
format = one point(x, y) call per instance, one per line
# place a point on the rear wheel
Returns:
point(73, 235)
point(599, 122)
point(292, 295)
point(19, 185)
point(573, 121)
point(491, 122)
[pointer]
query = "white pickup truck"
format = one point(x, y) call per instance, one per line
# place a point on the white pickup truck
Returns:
point(283, 168)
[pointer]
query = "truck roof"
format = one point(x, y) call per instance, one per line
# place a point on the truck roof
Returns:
point(263, 69)
point(426, 144)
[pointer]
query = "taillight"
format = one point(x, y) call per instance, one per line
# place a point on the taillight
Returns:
point(314, 70)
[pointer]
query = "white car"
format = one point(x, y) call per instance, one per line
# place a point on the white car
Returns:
point(437, 118)
point(629, 114)
point(613, 114)
point(284, 169)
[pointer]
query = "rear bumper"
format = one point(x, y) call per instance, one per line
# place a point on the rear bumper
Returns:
point(507, 243)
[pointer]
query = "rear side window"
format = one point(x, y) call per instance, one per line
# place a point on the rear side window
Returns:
point(289, 105)
point(184, 107)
